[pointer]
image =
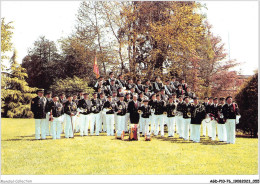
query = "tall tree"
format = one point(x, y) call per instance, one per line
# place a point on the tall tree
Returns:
point(247, 100)
point(43, 63)
point(17, 94)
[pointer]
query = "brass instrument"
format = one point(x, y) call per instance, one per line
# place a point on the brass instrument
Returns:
point(189, 114)
point(94, 107)
point(139, 111)
point(110, 108)
point(120, 107)
point(165, 113)
point(174, 112)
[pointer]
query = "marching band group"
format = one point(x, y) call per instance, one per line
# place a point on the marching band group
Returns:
point(118, 103)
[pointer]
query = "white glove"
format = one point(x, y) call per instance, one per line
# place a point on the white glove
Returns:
point(237, 118)
point(48, 113)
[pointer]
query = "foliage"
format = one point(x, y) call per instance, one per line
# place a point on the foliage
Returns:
point(247, 100)
point(102, 155)
point(16, 94)
point(6, 36)
point(71, 85)
point(43, 63)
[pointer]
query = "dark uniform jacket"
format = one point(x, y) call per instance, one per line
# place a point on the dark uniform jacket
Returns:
point(152, 103)
point(190, 94)
point(70, 108)
point(207, 107)
point(214, 109)
point(38, 107)
point(111, 105)
point(146, 111)
point(169, 109)
point(112, 88)
point(148, 94)
point(48, 104)
point(85, 105)
point(159, 107)
point(230, 111)
point(56, 108)
point(140, 87)
point(96, 106)
point(179, 106)
point(157, 86)
point(185, 109)
point(150, 87)
point(180, 92)
point(121, 83)
point(198, 113)
point(121, 106)
point(220, 118)
point(133, 110)
point(184, 86)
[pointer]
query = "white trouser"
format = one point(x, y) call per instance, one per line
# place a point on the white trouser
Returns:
point(192, 132)
point(146, 125)
point(103, 120)
point(222, 133)
point(95, 120)
point(208, 125)
point(63, 122)
point(196, 132)
point(56, 127)
point(141, 124)
point(68, 128)
point(115, 119)
point(77, 123)
point(164, 117)
point(84, 124)
point(171, 125)
point(179, 123)
point(40, 128)
point(231, 130)
point(48, 125)
point(127, 120)
point(110, 119)
point(203, 127)
point(152, 119)
point(186, 125)
point(213, 129)
point(120, 124)
point(159, 119)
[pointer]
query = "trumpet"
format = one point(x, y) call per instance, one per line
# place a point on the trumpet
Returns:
point(174, 112)
point(139, 111)
point(120, 107)
point(94, 107)
point(189, 114)
point(165, 113)
point(110, 108)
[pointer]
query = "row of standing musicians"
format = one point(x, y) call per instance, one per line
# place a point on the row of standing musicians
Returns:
point(115, 114)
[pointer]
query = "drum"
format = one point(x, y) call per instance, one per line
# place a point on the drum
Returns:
point(147, 137)
point(134, 132)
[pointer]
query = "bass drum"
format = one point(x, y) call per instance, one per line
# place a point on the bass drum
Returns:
point(134, 132)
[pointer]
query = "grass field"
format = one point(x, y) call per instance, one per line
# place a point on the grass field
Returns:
point(21, 154)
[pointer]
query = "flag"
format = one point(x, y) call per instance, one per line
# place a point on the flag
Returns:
point(95, 68)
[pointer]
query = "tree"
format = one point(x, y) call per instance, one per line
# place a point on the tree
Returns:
point(71, 85)
point(247, 100)
point(43, 63)
point(17, 94)
point(6, 36)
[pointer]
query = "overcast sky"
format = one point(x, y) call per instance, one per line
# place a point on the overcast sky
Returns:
point(54, 19)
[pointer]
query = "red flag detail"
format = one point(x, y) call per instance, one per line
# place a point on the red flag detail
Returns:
point(95, 68)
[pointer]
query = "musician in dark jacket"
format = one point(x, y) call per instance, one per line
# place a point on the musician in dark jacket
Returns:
point(121, 109)
point(132, 109)
point(230, 112)
point(38, 107)
point(179, 117)
point(171, 112)
point(47, 122)
point(121, 82)
point(96, 107)
point(180, 90)
point(222, 133)
point(186, 110)
point(145, 112)
point(84, 107)
point(70, 110)
point(56, 112)
point(214, 109)
point(198, 113)
point(159, 116)
point(206, 122)
point(110, 109)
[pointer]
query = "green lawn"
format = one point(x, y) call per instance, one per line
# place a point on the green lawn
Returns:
point(21, 154)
